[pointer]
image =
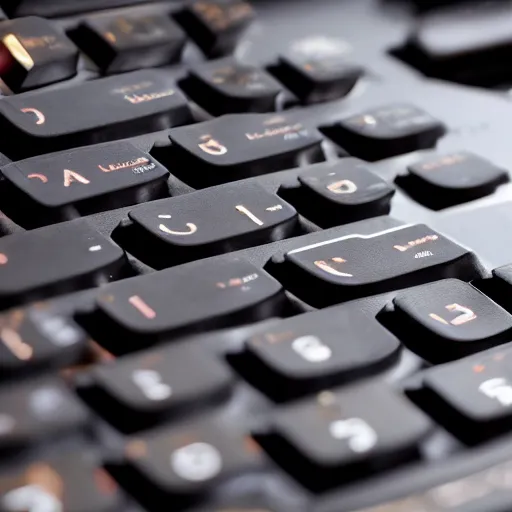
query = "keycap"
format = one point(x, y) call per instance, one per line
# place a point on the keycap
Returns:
point(386, 131)
point(216, 25)
point(185, 462)
point(208, 222)
point(320, 75)
point(126, 42)
point(90, 179)
point(238, 146)
point(307, 353)
point(448, 319)
point(55, 259)
point(465, 494)
point(116, 107)
point(340, 192)
point(34, 53)
point(67, 482)
point(471, 397)
point(36, 338)
point(354, 266)
point(212, 294)
point(226, 86)
point(38, 410)
point(342, 435)
point(60, 7)
point(498, 288)
point(450, 179)
point(144, 388)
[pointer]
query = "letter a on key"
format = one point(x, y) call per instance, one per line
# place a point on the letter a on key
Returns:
point(71, 176)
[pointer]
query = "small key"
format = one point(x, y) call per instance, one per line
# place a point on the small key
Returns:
point(117, 107)
point(211, 295)
point(448, 319)
point(208, 222)
point(91, 179)
point(124, 42)
point(472, 397)
point(226, 86)
point(386, 131)
point(310, 352)
point(340, 192)
point(34, 53)
point(142, 389)
point(498, 288)
point(55, 259)
point(355, 266)
point(35, 337)
point(238, 146)
point(343, 435)
point(185, 462)
point(446, 180)
point(60, 483)
point(216, 26)
point(38, 410)
point(317, 76)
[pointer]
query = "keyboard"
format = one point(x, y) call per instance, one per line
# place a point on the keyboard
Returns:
point(255, 257)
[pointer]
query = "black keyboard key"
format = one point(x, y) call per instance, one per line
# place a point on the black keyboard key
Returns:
point(55, 259)
point(38, 410)
point(471, 397)
point(185, 462)
point(238, 146)
point(91, 179)
point(142, 389)
point(339, 436)
point(442, 181)
point(498, 288)
point(34, 53)
point(310, 352)
point(356, 265)
point(216, 25)
point(126, 42)
point(340, 192)
point(117, 107)
point(386, 131)
point(324, 75)
point(226, 86)
point(212, 294)
point(36, 337)
point(72, 483)
point(208, 222)
point(448, 319)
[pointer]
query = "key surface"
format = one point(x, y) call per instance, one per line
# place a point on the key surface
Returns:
point(74, 482)
point(116, 107)
point(238, 146)
point(310, 352)
point(92, 179)
point(192, 297)
point(38, 410)
point(55, 259)
point(36, 337)
point(449, 319)
point(126, 42)
point(355, 265)
point(34, 53)
point(449, 179)
point(340, 192)
point(142, 389)
point(209, 222)
point(386, 131)
point(226, 86)
point(342, 435)
point(216, 25)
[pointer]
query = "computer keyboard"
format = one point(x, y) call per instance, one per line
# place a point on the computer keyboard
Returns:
point(255, 257)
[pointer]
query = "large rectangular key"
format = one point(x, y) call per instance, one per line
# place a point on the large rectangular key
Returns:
point(355, 266)
point(97, 111)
